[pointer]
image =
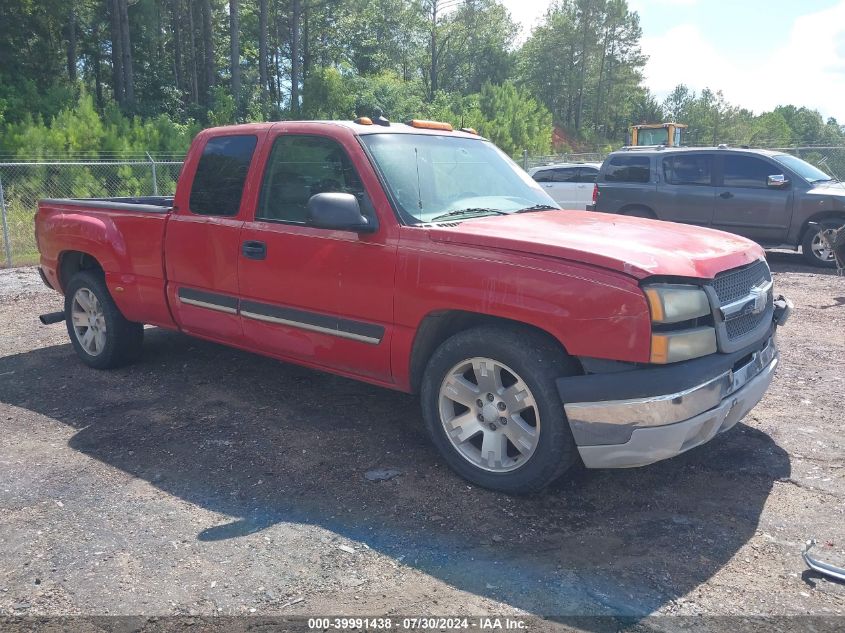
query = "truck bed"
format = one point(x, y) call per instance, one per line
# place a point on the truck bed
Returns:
point(124, 236)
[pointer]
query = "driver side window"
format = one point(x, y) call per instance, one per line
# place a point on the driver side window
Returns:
point(301, 166)
point(747, 172)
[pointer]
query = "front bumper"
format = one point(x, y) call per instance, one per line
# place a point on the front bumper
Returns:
point(657, 413)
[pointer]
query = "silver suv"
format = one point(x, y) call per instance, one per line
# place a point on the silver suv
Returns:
point(775, 199)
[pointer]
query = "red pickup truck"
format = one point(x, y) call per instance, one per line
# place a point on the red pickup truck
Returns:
point(423, 259)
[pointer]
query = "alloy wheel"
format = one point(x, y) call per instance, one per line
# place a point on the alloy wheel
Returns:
point(489, 414)
point(89, 321)
point(821, 245)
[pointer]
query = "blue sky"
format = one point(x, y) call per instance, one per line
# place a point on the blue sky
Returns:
point(759, 53)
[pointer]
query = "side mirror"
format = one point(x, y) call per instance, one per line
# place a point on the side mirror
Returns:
point(777, 181)
point(338, 211)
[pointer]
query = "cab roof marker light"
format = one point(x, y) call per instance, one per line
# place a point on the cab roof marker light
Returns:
point(430, 125)
point(364, 120)
point(469, 130)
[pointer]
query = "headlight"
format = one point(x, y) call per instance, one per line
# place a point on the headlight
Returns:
point(671, 347)
point(673, 303)
point(676, 303)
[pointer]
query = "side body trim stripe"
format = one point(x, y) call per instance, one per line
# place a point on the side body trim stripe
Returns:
point(337, 326)
point(210, 300)
point(312, 321)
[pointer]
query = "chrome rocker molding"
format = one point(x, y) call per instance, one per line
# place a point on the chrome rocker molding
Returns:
point(663, 426)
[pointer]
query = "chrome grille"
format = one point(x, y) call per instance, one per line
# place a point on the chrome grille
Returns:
point(735, 284)
point(742, 325)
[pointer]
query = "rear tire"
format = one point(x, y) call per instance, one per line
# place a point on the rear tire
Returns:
point(100, 334)
point(493, 388)
point(812, 246)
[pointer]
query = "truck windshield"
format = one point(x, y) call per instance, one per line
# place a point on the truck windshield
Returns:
point(802, 168)
point(438, 177)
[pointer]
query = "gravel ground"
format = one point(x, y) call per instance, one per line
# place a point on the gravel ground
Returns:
point(204, 480)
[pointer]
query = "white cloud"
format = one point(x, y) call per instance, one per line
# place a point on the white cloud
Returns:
point(527, 12)
point(639, 5)
point(808, 69)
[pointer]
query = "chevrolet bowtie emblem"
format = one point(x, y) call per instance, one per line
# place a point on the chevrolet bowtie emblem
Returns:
point(760, 296)
point(755, 302)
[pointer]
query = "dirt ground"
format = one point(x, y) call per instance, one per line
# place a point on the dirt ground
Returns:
point(205, 480)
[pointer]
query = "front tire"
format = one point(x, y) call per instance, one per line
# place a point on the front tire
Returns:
point(814, 248)
point(100, 334)
point(492, 409)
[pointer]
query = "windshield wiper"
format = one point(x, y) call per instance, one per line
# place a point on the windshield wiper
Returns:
point(538, 207)
point(471, 211)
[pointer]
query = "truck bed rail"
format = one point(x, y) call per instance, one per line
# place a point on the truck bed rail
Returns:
point(147, 204)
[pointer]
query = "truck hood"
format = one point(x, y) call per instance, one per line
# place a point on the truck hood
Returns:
point(832, 194)
point(634, 246)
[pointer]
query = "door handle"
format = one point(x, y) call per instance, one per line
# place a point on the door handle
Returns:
point(253, 249)
point(725, 195)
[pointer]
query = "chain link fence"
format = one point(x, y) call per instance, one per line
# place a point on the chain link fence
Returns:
point(23, 183)
point(531, 161)
point(830, 159)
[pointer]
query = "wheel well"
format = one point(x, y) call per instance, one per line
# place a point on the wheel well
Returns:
point(626, 210)
point(824, 215)
point(71, 262)
point(435, 328)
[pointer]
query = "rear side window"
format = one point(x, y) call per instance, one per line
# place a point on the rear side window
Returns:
point(566, 175)
point(544, 175)
point(747, 171)
point(221, 174)
point(628, 169)
point(688, 169)
point(587, 175)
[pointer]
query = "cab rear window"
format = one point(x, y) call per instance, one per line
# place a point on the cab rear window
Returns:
point(221, 173)
point(628, 169)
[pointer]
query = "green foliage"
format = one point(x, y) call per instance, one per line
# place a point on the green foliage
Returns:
point(398, 100)
point(513, 119)
point(81, 132)
point(328, 95)
point(712, 120)
point(225, 108)
point(580, 68)
point(508, 115)
point(770, 129)
point(478, 47)
point(584, 63)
